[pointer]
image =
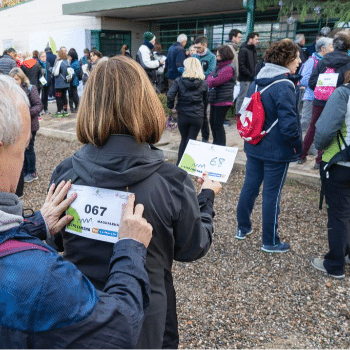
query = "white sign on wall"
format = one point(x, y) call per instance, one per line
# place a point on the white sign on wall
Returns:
point(55, 39)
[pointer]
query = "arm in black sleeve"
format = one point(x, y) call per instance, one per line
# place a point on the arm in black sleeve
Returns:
point(172, 94)
point(314, 75)
point(193, 229)
point(242, 59)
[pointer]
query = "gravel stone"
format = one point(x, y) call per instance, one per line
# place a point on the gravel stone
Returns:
point(238, 296)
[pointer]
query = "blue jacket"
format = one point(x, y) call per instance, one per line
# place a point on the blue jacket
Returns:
point(76, 66)
point(208, 62)
point(283, 143)
point(46, 302)
point(175, 59)
point(306, 71)
point(51, 58)
point(60, 79)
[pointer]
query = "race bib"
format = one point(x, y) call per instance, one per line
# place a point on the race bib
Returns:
point(97, 212)
point(43, 81)
point(327, 79)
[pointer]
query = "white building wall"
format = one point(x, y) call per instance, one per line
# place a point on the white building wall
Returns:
point(30, 26)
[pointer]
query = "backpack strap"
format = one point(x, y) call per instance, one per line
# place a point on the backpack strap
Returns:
point(13, 246)
point(276, 82)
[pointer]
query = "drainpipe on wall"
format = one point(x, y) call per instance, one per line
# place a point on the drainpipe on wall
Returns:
point(249, 5)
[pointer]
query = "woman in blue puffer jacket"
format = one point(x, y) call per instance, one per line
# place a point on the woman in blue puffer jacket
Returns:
point(268, 160)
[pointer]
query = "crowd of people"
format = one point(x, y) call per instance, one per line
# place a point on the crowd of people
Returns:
point(105, 295)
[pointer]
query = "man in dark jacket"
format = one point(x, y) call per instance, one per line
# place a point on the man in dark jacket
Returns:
point(247, 60)
point(8, 61)
point(32, 69)
point(44, 301)
point(175, 58)
point(51, 58)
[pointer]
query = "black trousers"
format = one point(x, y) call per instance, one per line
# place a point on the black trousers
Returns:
point(337, 194)
point(73, 97)
point(44, 96)
point(217, 118)
point(205, 126)
point(61, 99)
point(189, 129)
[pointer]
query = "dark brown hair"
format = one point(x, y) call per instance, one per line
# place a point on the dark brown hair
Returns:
point(35, 54)
point(96, 53)
point(201, 40)
point(119, 99)
point(281, 52)
point(226, 53)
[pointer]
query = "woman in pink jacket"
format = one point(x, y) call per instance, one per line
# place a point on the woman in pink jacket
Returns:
point(221, 83)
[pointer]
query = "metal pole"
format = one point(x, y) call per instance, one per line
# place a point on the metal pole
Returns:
point(249, 5)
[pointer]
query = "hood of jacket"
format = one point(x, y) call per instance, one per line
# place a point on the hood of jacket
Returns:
point(29, 63)
point(336, 59)
point(249, 47)
point(10, 211)
point(120, 163)
point(191, 84)
point(271, 72)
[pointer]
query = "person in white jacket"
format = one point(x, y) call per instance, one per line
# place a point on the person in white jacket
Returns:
point(146, 58)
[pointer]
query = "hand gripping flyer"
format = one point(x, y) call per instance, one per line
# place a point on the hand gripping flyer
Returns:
point(97, 212)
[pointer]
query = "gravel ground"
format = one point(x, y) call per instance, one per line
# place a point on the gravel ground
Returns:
point(238, 296)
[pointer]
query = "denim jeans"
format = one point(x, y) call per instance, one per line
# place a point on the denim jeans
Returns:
point(273, 174)
point(29, 157)
point(337, 195)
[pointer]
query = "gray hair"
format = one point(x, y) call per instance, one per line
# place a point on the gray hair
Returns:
point(181, 38)
point(299, 38)
point(323, 41)
point(12, 96)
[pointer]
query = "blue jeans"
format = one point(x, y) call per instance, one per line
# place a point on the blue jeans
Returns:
point(273, 174)
point(29, 157)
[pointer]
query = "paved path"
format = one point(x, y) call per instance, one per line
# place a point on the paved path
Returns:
point(64, 128)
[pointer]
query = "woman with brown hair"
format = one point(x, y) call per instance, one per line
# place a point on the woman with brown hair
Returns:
point(125, 51)
point(268, 160)
point(120, 117)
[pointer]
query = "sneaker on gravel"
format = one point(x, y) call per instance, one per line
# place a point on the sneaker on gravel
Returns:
point(65, 114)
point(57, 115)
point(31, 177)
point(277, 248)
point(241, 235)
point(318, 264)
point(317, 166)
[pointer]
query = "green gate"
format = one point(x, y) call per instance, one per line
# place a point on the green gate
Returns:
point(109, 42)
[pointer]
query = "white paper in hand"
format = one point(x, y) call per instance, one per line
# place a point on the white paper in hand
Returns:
point(216, 161)
point(97, 212)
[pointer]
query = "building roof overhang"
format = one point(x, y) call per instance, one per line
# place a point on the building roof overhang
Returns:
point(143, 10)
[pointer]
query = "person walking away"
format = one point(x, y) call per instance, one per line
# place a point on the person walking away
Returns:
point(191, 91)
point(119, 119)
point(332, 136)
point(146, 58)
point(221, 83)
point(32, 69)
point(60, 72)
point(73, 89)
point(51, 59)
point(208, 62)
point(47, 76)
point(8, 60)
point(175, 59)
point(336, 63)
point(268, 160)
point(247, 60)
point(36, 106)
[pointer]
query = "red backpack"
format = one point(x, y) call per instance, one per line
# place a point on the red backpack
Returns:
point(251, 122)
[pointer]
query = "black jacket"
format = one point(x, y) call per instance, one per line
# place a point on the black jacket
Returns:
point(192, 95)
point(51, 58)
point(182, 224)
point(247, 60)
point(336, 59)
point(32, 69)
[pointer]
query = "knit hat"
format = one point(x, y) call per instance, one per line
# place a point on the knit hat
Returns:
point(149, 36)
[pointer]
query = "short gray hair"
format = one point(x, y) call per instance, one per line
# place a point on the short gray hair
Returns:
point(181, 38)
point(299, 38)
point(12, 96)
point(323, 41)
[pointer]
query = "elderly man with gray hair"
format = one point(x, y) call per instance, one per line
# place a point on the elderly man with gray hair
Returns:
point(300, 40)
point(323, 46)
point(175, 58)
point(46, 302)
